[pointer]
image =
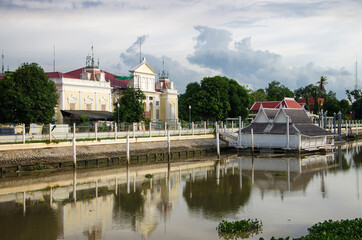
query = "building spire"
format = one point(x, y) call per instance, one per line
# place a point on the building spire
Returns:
point(356, 77)
point(2, 62)
point(92, 56)
point(54, 60)
point(140, 49)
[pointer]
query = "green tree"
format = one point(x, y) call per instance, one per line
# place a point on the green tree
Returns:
point(258, 96)
point(130, 106)
point(239, 100)
point(322, 83)
point(215, 98)
point(189, 99)
point(345, 107)
point(355, 97)
point(27, 96)
point(277, 91)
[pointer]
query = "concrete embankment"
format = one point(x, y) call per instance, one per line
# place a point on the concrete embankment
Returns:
point(51, 154)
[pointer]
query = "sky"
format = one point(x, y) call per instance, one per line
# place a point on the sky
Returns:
point(254, 42)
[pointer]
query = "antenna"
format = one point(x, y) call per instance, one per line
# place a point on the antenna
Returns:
point(140, 49)
point(2, 61)
point(92, 55)
point(54, 60)
point(356, 85)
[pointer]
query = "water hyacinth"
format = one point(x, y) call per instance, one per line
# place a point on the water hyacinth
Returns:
point(239, 226)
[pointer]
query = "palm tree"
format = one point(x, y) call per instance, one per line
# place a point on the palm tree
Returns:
point(322, 83)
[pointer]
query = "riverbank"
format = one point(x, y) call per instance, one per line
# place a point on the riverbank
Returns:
point(51, 155)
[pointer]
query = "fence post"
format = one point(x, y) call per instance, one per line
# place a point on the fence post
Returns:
point(115, 130)
point(96, 130)
point(165, 128)
point(217, 141)
point(232, 126)
point(127, 148)
point(74, 148)
point(179, 129)
point(193, 129)
point(205, 128)
point(239, 138)
point(50, 132)
point(23, 133)
point(287, 132)
point(252, 141)
point(168, 145)
point(134, 130)
point(357, 129)
point(150, 129)
point(339, 125)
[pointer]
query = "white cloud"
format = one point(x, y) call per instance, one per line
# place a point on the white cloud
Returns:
point(258, 67)
point(289, 33)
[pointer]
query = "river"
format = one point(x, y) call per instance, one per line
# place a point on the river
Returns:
point(185, 199)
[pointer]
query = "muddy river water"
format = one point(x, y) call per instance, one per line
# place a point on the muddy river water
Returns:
point(186, 199)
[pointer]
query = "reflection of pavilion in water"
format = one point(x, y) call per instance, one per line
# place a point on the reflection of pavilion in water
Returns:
point(286, 175)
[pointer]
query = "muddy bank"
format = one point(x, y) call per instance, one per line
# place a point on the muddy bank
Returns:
point(53, 155)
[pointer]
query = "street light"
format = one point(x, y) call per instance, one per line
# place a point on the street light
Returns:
point(117, 116)
point(190, 115)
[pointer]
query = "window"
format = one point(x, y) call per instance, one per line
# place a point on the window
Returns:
point(89, 106)
point(151, 98)
point(157, 103)
point(157, 114)
point(103, 107)
point(72, 106)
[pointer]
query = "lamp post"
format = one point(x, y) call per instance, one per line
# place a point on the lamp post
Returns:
point(117, 116)
point(190, 115)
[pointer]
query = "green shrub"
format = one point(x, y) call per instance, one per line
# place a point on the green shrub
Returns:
point(149, 176)
point(239, 226)
point(336, 230)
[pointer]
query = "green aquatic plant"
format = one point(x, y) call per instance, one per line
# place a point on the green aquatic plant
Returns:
point(149, 176)
point(280, 174)
point(38, 167)
point(336, 230)
point(343, 229)
point(239, 226)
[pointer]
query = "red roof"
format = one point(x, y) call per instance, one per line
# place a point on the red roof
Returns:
point(256, 105)
point(286, 103)
point(311, 100)
point(58, 75)
point(115, 83)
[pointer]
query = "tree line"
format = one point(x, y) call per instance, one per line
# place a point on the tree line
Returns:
point(28, 96)
point(217, 98)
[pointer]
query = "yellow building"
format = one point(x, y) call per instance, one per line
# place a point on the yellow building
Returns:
point(161, 103)
point(84, 91)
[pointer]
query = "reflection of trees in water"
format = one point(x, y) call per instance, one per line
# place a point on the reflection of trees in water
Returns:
point(344, 163)
point(39, 222)
point(357, 156)
point(128, 206)
point(215, 201)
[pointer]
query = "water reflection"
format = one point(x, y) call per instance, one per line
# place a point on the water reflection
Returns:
point(216, 196)
point(94, 203)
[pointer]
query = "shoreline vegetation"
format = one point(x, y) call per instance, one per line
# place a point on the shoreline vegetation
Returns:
point(329, 229)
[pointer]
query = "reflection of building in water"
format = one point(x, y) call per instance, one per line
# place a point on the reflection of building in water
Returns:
point(286, 174)
point(119, 200)
point(103, 200)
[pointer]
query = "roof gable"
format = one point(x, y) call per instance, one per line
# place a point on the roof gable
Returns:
point(261, 117)
point(144, 68)
point(257, 105)
point(295, 116)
